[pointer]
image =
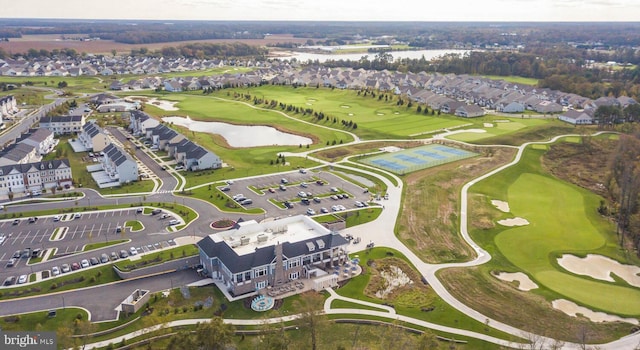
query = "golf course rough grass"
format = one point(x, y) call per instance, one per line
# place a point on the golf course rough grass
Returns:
point(561, 220)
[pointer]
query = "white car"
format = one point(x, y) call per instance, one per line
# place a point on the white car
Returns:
point(174, 222)
point(133, 251)
point(22, 279)
point(56, 218)
point(2, 238)
point(84, 263)
point(55, 271)
point(311, 211)
point(77, 216)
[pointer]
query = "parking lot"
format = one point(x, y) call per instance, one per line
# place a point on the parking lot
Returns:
point(282, 194)
point(66, 234)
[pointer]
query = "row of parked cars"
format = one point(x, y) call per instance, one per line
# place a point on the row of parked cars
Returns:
point(83, 264)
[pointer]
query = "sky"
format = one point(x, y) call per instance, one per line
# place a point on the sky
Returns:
point(330, 10)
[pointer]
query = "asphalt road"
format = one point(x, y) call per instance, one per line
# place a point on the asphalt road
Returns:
point(100, 301)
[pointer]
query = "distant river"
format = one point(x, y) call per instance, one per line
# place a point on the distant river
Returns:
point(242, 135)
point(428, 55)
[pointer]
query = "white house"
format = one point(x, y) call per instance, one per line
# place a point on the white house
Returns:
point(65, 124)
point(140, 122)
point(119, 165)
point(469, 111)
point(575, 117)
point(41, 138)
point(93, 137)
point(18, 178)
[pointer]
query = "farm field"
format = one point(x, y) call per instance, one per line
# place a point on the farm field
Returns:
point(51, 41)
point(576, 229)
point(375, 119)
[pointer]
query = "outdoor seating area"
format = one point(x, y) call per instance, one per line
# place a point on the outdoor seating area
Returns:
point(347, 269)
point(262, 303)
point(284, 289)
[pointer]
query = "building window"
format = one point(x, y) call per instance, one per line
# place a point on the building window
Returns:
point(260, 272)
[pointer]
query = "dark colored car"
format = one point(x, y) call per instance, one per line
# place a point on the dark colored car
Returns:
point(104, 258)
point(94, 261)
point(75, 266)
point(10, 280)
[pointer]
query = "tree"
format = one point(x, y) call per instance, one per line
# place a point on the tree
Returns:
point(311, 317)
point(427, 341)
point(214, 335)
point(85, 330)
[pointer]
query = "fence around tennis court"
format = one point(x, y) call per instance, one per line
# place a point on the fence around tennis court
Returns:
point(414, 159)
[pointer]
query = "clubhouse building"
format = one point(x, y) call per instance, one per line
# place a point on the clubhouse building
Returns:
point(255, 256)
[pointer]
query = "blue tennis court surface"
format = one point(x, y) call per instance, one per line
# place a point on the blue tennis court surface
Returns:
point(413, 159)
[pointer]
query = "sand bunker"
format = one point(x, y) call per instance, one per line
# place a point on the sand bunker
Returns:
point(572, 309)
point(396, 113)
point(162, 104)
point(524, 282)
point(501, 205)
point(379, 113)
point(351, 114)
point(600, 267)
point(488, 125)
point(309, 104)
point(345, 106)
point(513, 222)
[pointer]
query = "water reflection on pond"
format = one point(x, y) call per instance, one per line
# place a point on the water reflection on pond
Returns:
point(242, 135)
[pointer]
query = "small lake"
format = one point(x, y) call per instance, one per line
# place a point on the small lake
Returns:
point(417, 54)
point(242, 135)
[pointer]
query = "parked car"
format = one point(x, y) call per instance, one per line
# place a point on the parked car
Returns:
point(9, 281)
point(303, 171)
point(114, 256)
point(15, 222)
point(33, 219)
point(124, 254)
point(118, 229)
point(84, 263)
point(225, 189)
point(304, 185)
point(56, 218)
point(310, 211)
point(247, 201)
point(17, 254)
point(65, 268)
point(133, 251)
point(11, 262)
point(317, 199)
point(284, 181)
point(77, 216)
point(22, 279)
point(55, 271)
point(320, 182)
point(174, 222)
point(94, 261)
point(324, 210)
point(156, 211)
point(272, 190)
point(2, 238)
point(139, 211)
point(283, 188)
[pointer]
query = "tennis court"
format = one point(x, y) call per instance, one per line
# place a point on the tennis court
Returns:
point(413, 159)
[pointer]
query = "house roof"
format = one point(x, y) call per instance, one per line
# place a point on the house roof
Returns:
point(297, 234)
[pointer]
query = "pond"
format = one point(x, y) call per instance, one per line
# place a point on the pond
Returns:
point(416, 54)
point(242, 135)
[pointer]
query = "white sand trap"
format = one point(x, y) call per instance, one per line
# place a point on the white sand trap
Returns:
point(524, 282)
point(501, 205)
point(312, 100)
point(351, 114)
point(600, 267)
point(345, 106)
point(503, 121)
point(514, 222)
point(162, 104)
point(379, 113)
point(396, 112)
point(488, 125)
point(309, 104)
point(572, 309)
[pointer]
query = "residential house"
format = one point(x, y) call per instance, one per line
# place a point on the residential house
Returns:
point(41, 138)
point(61, 125)
point(254, 256)
point(469, 111)
point(93, 137)
point(575, 117)
point(19, 178)
point(19, 153)
point(140, 122)
point(172, 86)
point(8, 106)
point(119, 165)
point(162, 136)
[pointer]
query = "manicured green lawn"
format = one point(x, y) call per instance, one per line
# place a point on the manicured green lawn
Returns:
point(135, 225)
point(563, 219)
point(375, 118)
point(499, 126)
point(157, 258)
point(92, 246)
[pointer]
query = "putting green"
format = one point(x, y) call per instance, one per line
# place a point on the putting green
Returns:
point(561, 220)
